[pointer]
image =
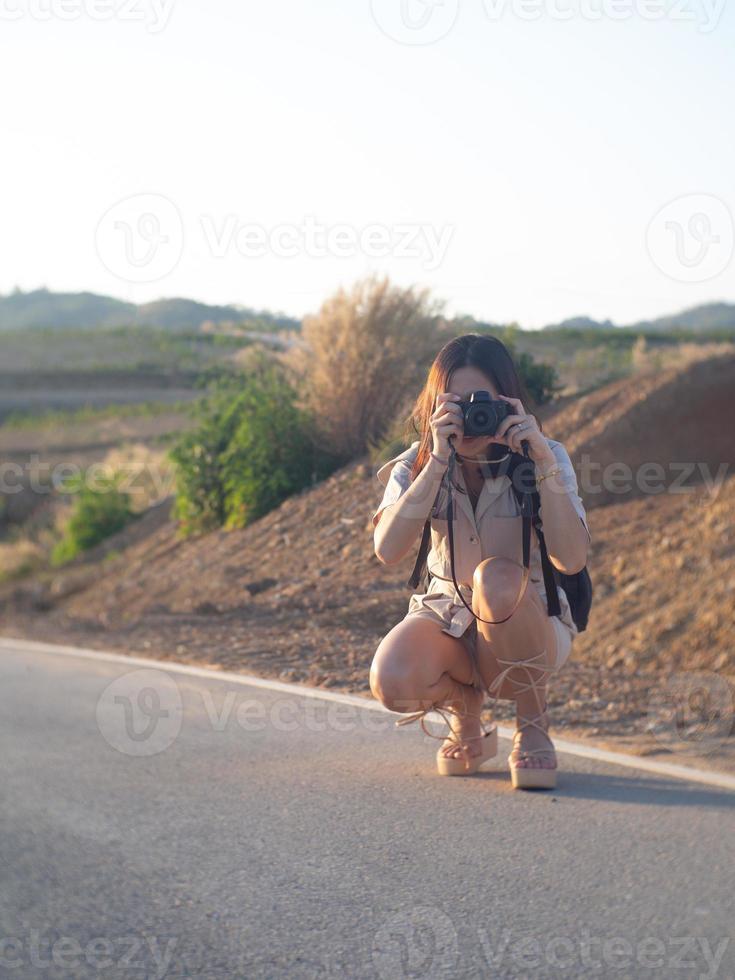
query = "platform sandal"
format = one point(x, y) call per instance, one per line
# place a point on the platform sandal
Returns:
point(527, 777)
point(448, 765)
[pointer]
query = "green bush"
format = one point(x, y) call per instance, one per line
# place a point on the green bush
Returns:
point(252, 447)
point(97, 513)
point(539, 378)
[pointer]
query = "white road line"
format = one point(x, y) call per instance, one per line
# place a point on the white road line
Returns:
point(711, 778)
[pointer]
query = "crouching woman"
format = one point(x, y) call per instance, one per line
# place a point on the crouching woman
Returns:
point(442, 655)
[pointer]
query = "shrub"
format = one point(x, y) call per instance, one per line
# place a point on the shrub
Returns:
point(361, 353)
point(253, 447)
point(199, 503)
point(540, 379)
point(97, 513)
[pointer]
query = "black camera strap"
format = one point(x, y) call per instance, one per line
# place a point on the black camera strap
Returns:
point(526, 515)
point(528, 501)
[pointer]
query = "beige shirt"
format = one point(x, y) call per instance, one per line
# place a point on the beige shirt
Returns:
point(495, 528)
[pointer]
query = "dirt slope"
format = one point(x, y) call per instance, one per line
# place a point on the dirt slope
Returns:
point(301, 595)
point(676, 418)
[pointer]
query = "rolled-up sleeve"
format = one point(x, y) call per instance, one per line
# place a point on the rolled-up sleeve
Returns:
point(398, 482)
point(568, 478)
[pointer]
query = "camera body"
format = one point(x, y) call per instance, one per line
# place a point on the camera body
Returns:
point(482, 414)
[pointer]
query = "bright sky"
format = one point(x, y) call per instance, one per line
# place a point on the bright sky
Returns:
point(518, 161)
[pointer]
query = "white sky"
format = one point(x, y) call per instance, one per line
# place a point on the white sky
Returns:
point(543, 148)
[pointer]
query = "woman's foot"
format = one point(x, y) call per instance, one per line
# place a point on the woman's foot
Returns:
point(465, 724)
point(532, 746)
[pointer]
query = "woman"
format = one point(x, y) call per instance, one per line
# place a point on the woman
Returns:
point(439, 656)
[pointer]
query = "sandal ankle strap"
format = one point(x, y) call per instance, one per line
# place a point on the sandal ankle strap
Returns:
point(532, 722)
point(529, 665)
point(440, 709)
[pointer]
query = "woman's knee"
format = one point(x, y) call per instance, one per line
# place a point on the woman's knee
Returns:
point(496, 583)
point(395, 689)
point(409, 659)
point(392, 681)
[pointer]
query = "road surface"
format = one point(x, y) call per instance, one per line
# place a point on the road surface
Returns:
point(160, 824)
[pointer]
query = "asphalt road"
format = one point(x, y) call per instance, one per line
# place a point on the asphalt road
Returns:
point(157, 824)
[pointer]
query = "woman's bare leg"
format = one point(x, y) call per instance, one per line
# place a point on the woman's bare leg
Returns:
point(417, 665)
point(529, 631)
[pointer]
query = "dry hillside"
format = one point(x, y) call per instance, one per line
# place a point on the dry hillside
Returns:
point(300, 595)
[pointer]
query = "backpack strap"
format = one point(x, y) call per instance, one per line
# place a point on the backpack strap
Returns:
point(421, 557)
point(552, 596)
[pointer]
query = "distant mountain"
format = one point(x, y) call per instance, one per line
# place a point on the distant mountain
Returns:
point(58, 311)
point(42, 308)
point(709, 316)
point(581, 323)
point(183, 314)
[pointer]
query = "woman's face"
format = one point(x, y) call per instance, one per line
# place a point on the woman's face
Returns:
point(462, 382)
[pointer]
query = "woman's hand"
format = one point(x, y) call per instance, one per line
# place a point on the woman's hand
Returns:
point(519, 426)
point(446, 421)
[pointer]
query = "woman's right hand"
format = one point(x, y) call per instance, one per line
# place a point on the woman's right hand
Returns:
point(446, 421)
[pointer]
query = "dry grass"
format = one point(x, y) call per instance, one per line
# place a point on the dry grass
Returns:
point(361, 352)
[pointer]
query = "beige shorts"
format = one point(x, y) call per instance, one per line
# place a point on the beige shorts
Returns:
point(564, 636)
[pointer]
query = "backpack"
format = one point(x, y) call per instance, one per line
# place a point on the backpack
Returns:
point(578, 586)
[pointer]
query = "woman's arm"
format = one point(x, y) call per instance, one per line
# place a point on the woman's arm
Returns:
point(565, 533)
point(399, 523)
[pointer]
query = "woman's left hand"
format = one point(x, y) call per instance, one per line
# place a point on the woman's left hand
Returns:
point(519, 426)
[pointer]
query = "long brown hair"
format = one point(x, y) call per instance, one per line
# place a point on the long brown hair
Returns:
point(482, 351)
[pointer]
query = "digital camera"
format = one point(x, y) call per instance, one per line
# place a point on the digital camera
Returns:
point(482, 414)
